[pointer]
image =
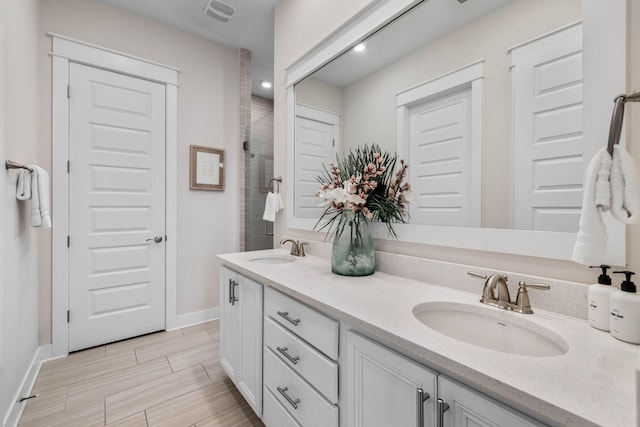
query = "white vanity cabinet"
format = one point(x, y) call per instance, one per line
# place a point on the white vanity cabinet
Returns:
point(467, 407)
point(241, 334)
point(384, 388)
point(300, 364)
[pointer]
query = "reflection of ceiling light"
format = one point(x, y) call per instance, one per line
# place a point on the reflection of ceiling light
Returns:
point(265, 84)
point(359, 47)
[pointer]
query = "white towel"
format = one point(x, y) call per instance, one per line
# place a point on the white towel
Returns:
point(591, 242)
point(625, 199)
point(272, 205)
point(40, 216)
point(23, 188)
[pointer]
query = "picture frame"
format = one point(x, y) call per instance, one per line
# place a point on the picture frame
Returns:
point(206, 168)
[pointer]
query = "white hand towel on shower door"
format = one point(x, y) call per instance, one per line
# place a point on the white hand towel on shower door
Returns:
point(272, 206)
point(40, 216)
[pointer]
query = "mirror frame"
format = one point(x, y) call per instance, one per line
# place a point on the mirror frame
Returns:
point(604, 78)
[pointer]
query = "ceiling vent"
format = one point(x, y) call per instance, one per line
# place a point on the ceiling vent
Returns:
point(219, 10)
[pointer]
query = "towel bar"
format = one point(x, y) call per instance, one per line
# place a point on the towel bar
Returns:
point(10, 164)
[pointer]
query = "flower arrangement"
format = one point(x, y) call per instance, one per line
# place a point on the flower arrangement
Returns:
point(364, 182)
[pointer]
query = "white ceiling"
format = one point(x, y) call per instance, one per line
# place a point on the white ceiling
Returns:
point(250, 27)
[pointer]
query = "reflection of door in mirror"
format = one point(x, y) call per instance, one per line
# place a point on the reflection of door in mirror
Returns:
point(547, 128)
point(316, 133)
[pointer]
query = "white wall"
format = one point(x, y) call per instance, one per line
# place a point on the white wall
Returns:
point(19, 132)
point(208, 115)
point(301, 24)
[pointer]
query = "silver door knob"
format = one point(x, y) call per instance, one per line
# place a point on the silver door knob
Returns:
point(156, 239)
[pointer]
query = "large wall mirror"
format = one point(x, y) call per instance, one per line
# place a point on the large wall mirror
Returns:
point(487, 100)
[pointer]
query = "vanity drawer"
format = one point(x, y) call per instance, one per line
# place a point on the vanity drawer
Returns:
point(274, 414)
point(317, 329)
point(315, 367)
point(306, 405)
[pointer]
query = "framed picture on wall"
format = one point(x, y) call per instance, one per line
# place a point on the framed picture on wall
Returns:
point(206, 168)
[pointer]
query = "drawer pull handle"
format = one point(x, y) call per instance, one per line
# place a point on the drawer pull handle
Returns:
point(421, 398)
point(442, 407)
point(292, 402)
point(292, 359)
point(285, 316)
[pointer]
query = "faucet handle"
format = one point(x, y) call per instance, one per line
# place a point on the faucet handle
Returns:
point(301, 246)
point(487, 291)
point(523, 305)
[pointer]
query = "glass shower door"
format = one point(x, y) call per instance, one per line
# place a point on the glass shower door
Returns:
point(258, 174)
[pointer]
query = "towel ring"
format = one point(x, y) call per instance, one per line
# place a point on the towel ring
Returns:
point(274, 184)
point(615, 129)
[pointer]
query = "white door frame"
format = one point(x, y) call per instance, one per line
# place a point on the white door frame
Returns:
point(67, 50)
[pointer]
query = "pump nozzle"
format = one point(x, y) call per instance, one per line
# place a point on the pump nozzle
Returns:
point(603, 279)
point(627, 285)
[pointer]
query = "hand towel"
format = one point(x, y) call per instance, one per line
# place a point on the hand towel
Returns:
point(40, 216)
point(23, 188)
point(591, 241)
point(270, 207)
point(625, 200)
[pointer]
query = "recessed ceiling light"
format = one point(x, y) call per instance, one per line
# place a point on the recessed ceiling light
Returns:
point(265, 84)
point(359, 47)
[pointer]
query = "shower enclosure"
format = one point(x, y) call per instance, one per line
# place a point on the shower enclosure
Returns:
point(258, 173)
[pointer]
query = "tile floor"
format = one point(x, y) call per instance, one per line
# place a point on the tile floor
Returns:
point(168, 379)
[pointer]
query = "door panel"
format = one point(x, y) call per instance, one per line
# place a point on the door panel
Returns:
point(117, 207)
point(315, 141)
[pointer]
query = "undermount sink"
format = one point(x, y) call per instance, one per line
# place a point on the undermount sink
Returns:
point(272, 258)
point(484, 327)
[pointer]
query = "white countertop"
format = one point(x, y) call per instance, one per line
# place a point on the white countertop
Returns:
point(594, 383)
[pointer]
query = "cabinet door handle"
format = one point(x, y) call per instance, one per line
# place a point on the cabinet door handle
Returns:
point(233, 292)
point(285, 316)
point(292, 359)
point(230, 291)
point(442, 408)
point(292, 402)
point(421, 397)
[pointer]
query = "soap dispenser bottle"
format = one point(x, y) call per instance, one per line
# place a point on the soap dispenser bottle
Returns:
point(624, 305)
point(598, 295)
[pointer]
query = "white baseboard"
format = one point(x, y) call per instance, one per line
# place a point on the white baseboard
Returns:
point(14, 413)
point(196, 317)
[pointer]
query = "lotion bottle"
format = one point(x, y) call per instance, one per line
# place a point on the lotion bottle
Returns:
point(625, 311)
point(598, 296)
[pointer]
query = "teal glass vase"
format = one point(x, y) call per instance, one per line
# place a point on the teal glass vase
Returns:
point(352, 253)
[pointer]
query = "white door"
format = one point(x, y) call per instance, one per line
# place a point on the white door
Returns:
point(316, 133)
point(548, 143)
point(116, 207)
point(441, 169)
point(385, 388)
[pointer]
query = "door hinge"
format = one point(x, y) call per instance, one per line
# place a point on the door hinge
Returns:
point(68, 166)
point(245, 145)
point(68, 91)
point(68, 241)
point(68, 316)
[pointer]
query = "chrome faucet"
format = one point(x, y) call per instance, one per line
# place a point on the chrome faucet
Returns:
point(297, 247)
point(503, 300)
